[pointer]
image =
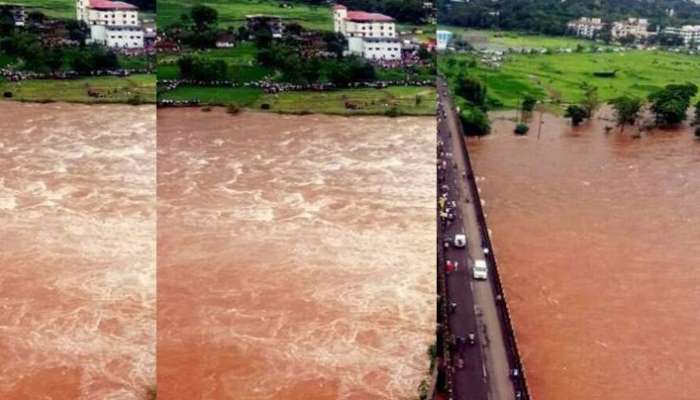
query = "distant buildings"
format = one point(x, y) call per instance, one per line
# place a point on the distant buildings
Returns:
point(112, 23)
point(689, 33)
point(586, 27)
point(637, 28)
point(371, 35)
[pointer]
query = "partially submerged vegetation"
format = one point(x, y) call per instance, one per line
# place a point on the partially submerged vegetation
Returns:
point(634, 83)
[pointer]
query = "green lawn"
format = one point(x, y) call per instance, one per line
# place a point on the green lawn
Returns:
point(367, 101)
point(52, 8)
point(558, 77)
point(502, 40)
point(233, 12)
point(111, 89)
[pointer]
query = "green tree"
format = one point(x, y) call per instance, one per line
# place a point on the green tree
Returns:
point(576, 113)
point(204, 17)
point(591, 102)
point(474, 121)
point(528, 104)
point(626, 110)
point(670, 104)
point(697, 113)
point(472, 90)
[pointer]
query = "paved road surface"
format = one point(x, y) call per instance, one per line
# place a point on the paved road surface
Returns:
point(490, 330)
point(469, 380)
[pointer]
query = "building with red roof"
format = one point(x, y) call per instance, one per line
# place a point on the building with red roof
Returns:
point(371, 35)
point(112, 23)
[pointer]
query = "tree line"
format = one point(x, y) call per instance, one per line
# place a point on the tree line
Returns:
point(668, 105)
point(551, 16)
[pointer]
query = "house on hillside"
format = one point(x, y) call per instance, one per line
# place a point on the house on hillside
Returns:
point(113, 24)
point(225, 40)
point(371, 35)
point(18, 13)
point(273, 22)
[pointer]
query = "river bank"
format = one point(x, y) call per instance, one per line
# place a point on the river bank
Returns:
point(391, 101)
point(133, 89)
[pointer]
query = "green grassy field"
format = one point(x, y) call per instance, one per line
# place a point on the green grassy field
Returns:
point(368, 101)
point(558, 77)
point(233, 12)
point(503, 40)
point(52, 8)
point(111, 89)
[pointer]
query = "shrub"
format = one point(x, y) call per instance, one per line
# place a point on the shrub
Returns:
point(522, 129)
point(135, 100)
point(265, 106)
point(475, 122)
point(233, 109)
point(697, 132)
point(7, 95)
point(393, 112)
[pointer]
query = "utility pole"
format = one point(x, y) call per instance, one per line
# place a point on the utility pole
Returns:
point(539, 128)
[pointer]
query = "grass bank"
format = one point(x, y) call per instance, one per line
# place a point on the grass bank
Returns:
point(108, 90)
point(404, 100)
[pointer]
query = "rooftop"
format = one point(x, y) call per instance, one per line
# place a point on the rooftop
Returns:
point(362, 16)
point(111, 5)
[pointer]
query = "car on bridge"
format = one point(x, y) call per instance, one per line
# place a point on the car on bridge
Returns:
point(480, 270)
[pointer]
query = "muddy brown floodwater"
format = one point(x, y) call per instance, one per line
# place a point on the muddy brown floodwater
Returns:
point(296, 256)
point(598, 239)
point(77, 251)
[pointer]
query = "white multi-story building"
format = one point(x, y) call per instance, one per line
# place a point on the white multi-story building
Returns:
point(443, 39)
point(370, 35)
point(689, 33)
point(586, 27)
point(112, 23)
point(634, 27)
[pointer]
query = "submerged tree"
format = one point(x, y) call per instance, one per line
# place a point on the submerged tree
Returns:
point(591, 102)
point(626, 110)
point(670, 104)
point(576, 113)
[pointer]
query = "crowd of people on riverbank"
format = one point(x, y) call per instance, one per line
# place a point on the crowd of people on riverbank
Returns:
point(269, 86)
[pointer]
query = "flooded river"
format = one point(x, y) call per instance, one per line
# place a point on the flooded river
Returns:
point(598, 239)
point(77, 251)
point(296, 256)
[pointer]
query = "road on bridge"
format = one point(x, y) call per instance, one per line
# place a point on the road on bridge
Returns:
point(486, 372)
